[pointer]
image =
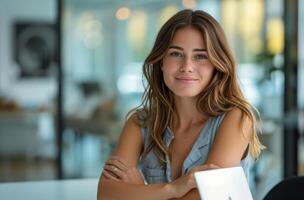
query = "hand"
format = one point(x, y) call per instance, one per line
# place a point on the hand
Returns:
point(116, 168)
point(203, 167)
point(184, 184)
point(181, 186)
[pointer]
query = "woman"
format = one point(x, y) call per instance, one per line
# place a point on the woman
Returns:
point(193, 116)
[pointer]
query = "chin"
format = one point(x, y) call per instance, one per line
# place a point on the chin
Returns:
point(186, 94)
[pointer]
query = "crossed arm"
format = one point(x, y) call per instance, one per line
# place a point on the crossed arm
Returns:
point(227, 151)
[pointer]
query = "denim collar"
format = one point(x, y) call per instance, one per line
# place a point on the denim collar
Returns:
point(195, 153)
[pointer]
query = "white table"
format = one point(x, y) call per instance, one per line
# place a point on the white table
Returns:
point(81, 189)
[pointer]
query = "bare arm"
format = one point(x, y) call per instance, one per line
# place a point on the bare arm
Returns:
point(191, 195)
point(116, 190)
point(231, 142)
point(129, 148)
point(229, 145)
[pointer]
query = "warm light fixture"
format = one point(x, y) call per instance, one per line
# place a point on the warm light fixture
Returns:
point(244, 31)
point(189, 3)
point(275, 35)
point(123, 13)
point(137, 29)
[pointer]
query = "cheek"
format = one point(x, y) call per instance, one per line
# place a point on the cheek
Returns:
point(170, 64)
point(166, 75)
point(210, 72)
point(207, 73)
point(167, 69)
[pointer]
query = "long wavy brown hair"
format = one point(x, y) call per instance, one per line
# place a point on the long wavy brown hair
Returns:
point(220, 96)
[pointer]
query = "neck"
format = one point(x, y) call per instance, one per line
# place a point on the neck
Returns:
point(187, 113)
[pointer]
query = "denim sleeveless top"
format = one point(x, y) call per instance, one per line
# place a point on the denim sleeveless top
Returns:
point(152, 170)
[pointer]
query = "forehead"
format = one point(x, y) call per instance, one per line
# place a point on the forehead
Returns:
point(188, 37)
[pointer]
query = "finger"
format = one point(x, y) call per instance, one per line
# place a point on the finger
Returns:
point(109, 169)
point(108, 175)
point(104, 175)
point(117, 163)
point(212, 166)
point(204, 167)
point(114, 170)
point(207, 167)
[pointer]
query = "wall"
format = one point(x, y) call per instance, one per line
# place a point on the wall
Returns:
point(30, 92)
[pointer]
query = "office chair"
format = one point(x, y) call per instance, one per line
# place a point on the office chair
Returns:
point(290, 189)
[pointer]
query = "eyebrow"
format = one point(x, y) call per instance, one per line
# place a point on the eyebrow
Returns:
point(180, 48)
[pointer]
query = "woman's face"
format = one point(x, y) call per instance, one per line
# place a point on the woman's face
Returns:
point(186, 67)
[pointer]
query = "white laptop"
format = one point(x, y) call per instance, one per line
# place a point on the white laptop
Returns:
point(223, 184)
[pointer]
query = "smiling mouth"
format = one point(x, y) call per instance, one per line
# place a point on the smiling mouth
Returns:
point(186, 80)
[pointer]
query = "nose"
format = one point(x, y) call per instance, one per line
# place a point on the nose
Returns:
point(187, 65)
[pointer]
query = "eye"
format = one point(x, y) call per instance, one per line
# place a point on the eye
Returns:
point(200, 57)
point(176, 54)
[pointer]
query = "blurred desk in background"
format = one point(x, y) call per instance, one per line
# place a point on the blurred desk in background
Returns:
point(19, 134)
point(103, 126)
point(50, 190)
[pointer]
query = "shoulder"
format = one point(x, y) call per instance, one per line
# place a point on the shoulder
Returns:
point(236, 119)
point(133, 122)
point(138, 116)
point(234, 114)
point(135, 126)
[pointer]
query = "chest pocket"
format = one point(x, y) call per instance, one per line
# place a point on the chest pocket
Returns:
point(153, 170)
point(154, 175)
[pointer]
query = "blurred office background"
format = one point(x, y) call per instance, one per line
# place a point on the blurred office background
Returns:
point(62, 104)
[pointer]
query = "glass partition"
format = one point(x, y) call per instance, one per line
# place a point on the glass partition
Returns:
point(105, 44)
point(28, 90)
point(300, 90)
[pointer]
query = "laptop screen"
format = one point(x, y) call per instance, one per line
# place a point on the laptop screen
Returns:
point(223, 184)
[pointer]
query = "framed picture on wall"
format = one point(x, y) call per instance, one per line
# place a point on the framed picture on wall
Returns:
point(35, 48)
